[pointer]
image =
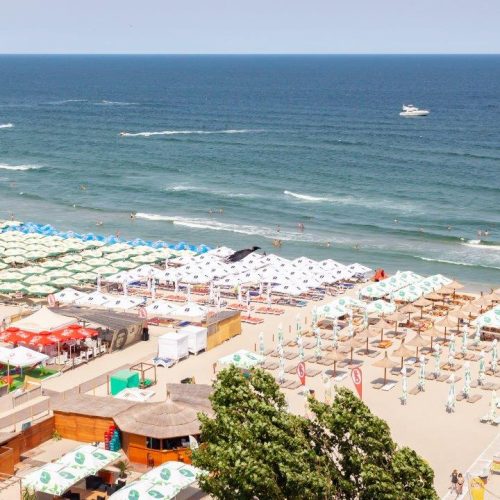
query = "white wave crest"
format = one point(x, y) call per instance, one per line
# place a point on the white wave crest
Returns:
point(215, 192)
point(67, 101)
point(188, 132)
point(480, 245)
point(456, 263)
point(306, 197)
point(6, 125)
point(4, 166)
point(115, 103)
point(214, 225)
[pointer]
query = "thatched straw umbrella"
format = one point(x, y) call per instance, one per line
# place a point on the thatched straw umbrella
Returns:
point(165, 420)
point(385, 363)
point(335, 356)
point(418, 341)
point(432, 332)
point(408, 309)
point(421, 303)
point(448, 322)
point(483, 301)
point(381, 326)
point(402, 352)
point(435, 297)
point(351, 343)
point(471, 309)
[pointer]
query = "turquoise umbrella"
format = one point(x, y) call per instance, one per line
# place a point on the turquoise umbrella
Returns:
point(465, 340)
point(494, 355)
point(482, 369)
point(467, 380)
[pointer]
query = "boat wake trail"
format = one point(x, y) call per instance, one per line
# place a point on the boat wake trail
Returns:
point(188, 132)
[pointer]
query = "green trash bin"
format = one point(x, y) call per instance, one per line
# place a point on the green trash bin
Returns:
point(123, 379)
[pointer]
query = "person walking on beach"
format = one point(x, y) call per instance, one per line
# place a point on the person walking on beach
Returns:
point(460, 484)
point(454, 480)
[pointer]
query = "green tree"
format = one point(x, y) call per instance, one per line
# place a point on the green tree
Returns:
point(254, 448)
point(364, 456)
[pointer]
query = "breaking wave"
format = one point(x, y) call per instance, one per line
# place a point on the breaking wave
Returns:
point(6, 125)
point(4, 166)
point(202, 190)
point(115, 103)
point(456, 263)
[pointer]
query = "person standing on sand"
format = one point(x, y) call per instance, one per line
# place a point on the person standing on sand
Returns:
point(460, 484)
point(454, 480)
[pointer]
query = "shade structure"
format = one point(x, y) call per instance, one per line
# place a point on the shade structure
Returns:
point(40, 290)
point(177, 474)
point(30, 270)
point(409, 309)
point(12, 287)
point(96, 299)
point(43, 320)
point(422, 302)
point(21, 356)
point(13, 335)
point(434, 296)
point(189, 310)
point(490, 319)
point(54, 478)
point(79, 267)
point(418, 341)
point(402, 352)
point(64, 282)
point(242, 359)
point(455, 285)
point(385, 363)
point(448, 322)
point(483, 301)
point(380, 307)
point(145, 490)
point(37, 279)
point(89, 457)
point(8, 276)
point(68, 296)
point(470, 308)
point(53, 264)
point(85, 277)
point(160, 308)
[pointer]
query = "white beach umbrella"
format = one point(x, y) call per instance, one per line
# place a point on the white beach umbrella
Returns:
point(494, 355)
point(493, 407)
point(404, 386)
point(85, 277)
point(69, 258)
point(482, 369)
point(465, 339)
point(421, 374)
point(40, 290)
point(8, 287)
point(79, 267)
point(92, 254)
point(19, 259)
point(53, 264)
point(437, 359)
point(105, 270)
point(97, 262)
point(64, 282)
point(32, 270)
point(59, 273)
point(467, 380)
point(452, 346)
point(477, 335)
point(280, 334)
point(261, 344)
point(9, 275)
point(451, 400)
point(281, 372)
point(37, 280)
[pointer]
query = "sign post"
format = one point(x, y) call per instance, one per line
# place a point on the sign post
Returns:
point(357, 378)
point(301, 372)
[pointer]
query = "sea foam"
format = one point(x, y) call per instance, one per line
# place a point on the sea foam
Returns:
point(6, 125)
point(188, 132)
point(4, 166)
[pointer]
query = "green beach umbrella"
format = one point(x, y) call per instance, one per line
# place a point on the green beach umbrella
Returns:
point(95, 253)
point(317, 350)
point(40, 290)
point(145, 259)
point(59, 273)
point(106, 270)
point(12, 287)
point(8, 275)
point(32, 270)
point(176, 474)
point(281, 370)
point(493, 407)
point(53, 264)
point(15, 259)
point(85, 277)
point(146, 490)
point(242, 359)
point(261, 344)
point(37, 279)
point(13, 252)
point(465, 340)
point(494, 355)
point(97, 262)
point(452, 346)
point(482, 369)
point(280, 334)
point(477, 335)
point(125, 264)
point(64, 282)
point(54, 478)
point(36, 254)
point(79, 267)
point(69, 258)
point(89, 457)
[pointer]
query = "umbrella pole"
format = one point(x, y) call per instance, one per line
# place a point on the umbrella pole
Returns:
point(366, 345)
point(417, 353)
point(385, 375)
point(8, 376)
point(334, 368)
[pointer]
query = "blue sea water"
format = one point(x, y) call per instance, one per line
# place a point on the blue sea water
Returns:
point(272, 141)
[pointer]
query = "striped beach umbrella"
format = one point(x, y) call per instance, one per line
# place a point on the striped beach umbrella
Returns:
point(467, 380)
point(437, 360)
point(421, 374)
point(451, 400)
point(404, 386)
point(482, 369)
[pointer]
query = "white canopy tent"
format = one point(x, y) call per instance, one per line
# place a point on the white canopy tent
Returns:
point(43, 320)
point(21, 357)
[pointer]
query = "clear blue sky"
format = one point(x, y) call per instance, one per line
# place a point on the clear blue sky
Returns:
point(250, 26)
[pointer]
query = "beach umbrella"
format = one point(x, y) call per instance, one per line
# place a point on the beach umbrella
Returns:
point(404, 386)
point(261, 344)
point(335, 356)
point(402, 352)
point(85, 277)
point(437, 361)
point(32, 270)
point(477, 335)
point(97, 262)
point(465, 340)
point(421, 374)
point(467, 380)
point(59, 273)
point(298, 328)
point(281, 371)
point(13, 276)
point(36, 280)
point(418, 341)
point(40, 290)
point(335, 335)
point(301, 349)
point(452, 346)
point(483, 301)
point(494, 356)
point(385, 363)
point(493, 407)
point(71, 258)
point(79, 267)
point(317, 350)
point(482, 369)
point(450, 402)
point(52, 264)
point(446, 323)
point(15, 260)
point(280, 334)
point(327, 382)
point(382, 325)
point(12, 287)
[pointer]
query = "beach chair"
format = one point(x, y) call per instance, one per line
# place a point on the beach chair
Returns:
point(340, 377)
point(474, 399)
point(415, 390)
point(389, 386)
point(378, 385)
point(269, 365)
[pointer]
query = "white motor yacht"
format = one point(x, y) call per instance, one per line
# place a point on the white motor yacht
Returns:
point(411, 110)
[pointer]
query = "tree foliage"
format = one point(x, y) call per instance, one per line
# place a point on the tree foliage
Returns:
point(253, 448)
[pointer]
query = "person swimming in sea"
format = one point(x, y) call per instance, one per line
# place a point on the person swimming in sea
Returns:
point(132, 215)
point(99, 223)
